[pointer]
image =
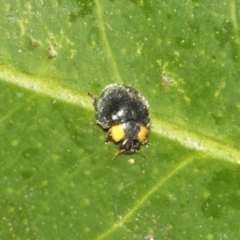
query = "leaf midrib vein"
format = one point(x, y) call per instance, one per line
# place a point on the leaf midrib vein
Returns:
point(172, 131)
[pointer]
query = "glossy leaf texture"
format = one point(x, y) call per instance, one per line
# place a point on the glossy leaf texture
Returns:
point(58, 179)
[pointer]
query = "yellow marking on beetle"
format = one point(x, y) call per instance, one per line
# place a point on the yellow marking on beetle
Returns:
point(117, 133)
point(142, 134)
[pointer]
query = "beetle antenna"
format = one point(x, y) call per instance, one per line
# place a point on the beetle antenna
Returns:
point(118, 153)
point(141, 154)
point(123, 150)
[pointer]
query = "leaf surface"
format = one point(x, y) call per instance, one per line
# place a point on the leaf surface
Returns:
point(57, 177)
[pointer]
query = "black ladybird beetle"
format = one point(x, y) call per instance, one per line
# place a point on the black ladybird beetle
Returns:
point(123, 111)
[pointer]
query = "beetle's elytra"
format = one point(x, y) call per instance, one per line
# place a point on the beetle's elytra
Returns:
point(123, 112)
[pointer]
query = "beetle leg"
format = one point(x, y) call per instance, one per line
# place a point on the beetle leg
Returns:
point(90, 95)
point(108, 137)
point(94, 99)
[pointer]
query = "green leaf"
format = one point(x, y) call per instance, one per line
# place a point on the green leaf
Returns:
point(57, 177)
